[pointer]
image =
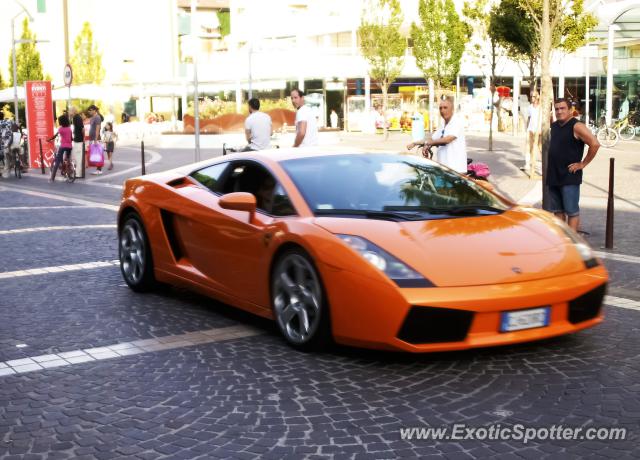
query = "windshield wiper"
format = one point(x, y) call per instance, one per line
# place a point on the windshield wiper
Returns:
point(469, 209)
point(380, 215)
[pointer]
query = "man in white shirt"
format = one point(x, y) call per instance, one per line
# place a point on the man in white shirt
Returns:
point(452, 148)
point(306, 124)
point(257, 127)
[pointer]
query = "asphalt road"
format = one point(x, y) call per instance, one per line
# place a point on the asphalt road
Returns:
point(90, 369)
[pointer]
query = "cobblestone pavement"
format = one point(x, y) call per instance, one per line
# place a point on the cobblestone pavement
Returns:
point(254, 397)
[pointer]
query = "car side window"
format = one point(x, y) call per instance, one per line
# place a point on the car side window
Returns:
point(253, 178)
point(211, 176)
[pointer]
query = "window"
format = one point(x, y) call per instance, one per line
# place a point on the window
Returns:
point(253, 178)
point(210, 177)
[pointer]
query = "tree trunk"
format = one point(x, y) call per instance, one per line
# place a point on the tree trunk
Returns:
point(533, 84)
point(493, 92)
point(385, 88)
point(545, 99)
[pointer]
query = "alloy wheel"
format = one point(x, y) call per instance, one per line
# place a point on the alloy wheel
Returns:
point(132, 251)
point(297, 298)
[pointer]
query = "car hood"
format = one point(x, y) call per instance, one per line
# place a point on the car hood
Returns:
point(517, 245)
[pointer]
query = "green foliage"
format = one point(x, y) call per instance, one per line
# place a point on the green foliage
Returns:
point(2, 83)
point(8, 114)
point(211, 108)
point(572, 29)
point(381, 43)
point(512, 27)
point(86, 60)
point(28, 64)
point(439, 41)
point(569, 20)
point(270, 104)
point(224, 18)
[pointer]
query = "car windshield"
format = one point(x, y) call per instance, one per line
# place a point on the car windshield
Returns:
point(393, 187)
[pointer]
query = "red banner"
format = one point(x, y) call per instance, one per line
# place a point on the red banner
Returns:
point(39, 122)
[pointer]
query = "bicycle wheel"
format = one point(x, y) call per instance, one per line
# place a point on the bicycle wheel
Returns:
point(17, 168)
point(627, 132)
point(71, 172)
point(608, 137)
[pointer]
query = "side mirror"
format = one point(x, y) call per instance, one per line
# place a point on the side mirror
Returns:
point(239, 201)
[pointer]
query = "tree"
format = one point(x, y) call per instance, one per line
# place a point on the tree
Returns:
point(514, 31)
point(560, 24)
point(2, 84)
point(28, 64)
point(86, 60)
point(485, 48)
point(382, 45)
point(439, 41)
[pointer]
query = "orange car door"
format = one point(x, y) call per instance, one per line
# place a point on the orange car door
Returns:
point(221, 244)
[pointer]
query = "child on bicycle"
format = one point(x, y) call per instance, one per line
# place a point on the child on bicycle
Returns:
point(109, 138)
point(66, 143)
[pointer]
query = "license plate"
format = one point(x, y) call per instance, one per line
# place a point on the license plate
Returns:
point(524, 319)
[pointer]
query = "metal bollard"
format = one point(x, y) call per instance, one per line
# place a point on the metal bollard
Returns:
point(609, 231)
point(142, 157)
point(41, 157)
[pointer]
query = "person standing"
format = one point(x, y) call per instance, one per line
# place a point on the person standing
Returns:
point(109, 138)
point(66, 144)
point(6, 137)
point(533, 131)
point(306, 124)
point(257, 127)
point(94, 130)
point(452, 148)
point(564, 171)
point(78, 136)
point(333, 118)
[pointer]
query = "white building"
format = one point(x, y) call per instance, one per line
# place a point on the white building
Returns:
point(277, 44)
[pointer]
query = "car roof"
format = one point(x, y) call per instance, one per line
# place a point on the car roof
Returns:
point(291, 153)
point(278, 155)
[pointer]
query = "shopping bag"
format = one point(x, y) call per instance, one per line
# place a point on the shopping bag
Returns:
point(96, 155)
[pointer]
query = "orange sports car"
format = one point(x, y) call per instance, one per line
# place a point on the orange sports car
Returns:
point(377, 250)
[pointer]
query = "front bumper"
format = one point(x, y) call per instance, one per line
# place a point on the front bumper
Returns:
point(372, 315)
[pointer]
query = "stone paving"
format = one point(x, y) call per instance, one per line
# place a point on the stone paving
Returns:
point(254, 397)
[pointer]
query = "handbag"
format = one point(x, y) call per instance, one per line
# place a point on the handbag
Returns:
point(96, 155)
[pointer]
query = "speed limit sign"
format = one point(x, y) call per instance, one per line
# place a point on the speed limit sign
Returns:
point(68, 75)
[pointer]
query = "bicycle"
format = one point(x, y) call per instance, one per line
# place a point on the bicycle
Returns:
point(17, 162)
point(67, 169)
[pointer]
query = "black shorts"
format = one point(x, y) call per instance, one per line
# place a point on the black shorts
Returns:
point(110, 146)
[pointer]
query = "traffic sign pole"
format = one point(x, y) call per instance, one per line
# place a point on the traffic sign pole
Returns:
point(68, 79)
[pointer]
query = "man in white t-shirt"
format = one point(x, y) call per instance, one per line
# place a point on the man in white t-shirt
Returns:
point(257, 127)
point(306, 124)
point(452, 148)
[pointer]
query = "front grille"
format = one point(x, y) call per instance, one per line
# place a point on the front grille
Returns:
point(587, 306)
point(434, 325)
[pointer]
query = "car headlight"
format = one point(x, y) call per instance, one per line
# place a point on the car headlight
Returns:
point(585, 251)
point(399, 272)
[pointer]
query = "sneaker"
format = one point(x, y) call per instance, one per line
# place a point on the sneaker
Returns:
point(96, 173)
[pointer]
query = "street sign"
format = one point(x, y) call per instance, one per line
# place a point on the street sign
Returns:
point(68, 75)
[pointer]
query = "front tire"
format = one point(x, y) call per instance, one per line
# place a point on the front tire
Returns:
point(299, 302)
point(134, 251)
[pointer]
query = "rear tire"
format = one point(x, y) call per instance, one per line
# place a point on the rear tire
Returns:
point(299, 302)
point(627, 133)
point(18, 168)
point(71, 172)
point(134, 252)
